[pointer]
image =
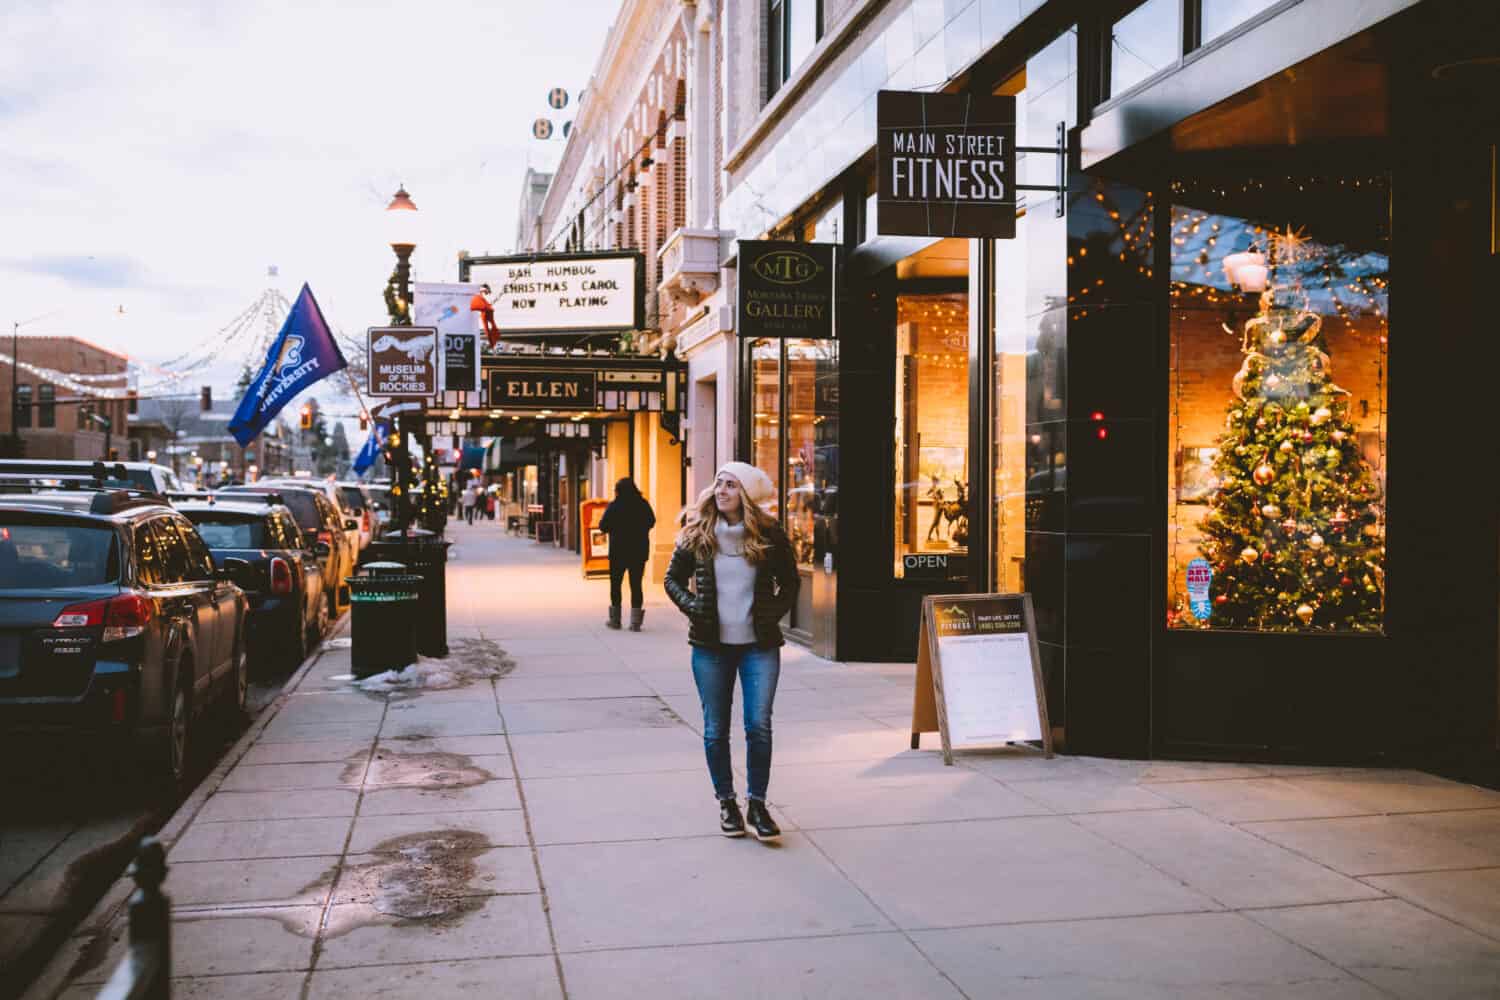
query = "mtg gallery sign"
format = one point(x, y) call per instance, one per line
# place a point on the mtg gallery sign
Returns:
point(947, 165)
point(574, 293)
point(403, 361)
point(785, 289)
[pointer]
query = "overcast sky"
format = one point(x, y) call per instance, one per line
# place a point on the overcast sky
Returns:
point(160, 157)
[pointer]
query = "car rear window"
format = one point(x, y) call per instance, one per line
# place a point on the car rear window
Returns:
point(56, 556)
point(302, 505)
point(220, 532)
point(353, 498)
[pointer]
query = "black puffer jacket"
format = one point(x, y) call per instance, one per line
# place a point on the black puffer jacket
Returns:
point(776, 584)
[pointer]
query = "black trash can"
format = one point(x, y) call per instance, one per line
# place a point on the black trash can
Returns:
point(384, 602)
point(426, 555)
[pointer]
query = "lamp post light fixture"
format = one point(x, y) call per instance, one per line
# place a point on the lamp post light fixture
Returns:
point(402, 223)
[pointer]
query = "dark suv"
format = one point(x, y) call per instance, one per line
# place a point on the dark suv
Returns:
point(321, 521)
point(113, 621)
point(283, 579)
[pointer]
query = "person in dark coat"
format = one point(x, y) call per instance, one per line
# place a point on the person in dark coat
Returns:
point(627, 521)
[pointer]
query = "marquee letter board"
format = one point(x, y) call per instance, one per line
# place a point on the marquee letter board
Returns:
point(947, 165)
point(979, 677)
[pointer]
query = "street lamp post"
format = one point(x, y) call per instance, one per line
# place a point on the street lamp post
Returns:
point(401, 221)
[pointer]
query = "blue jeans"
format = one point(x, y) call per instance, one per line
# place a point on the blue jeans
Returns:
point(714, 671)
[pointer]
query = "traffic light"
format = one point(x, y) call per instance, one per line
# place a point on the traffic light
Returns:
point(306, 417)
point(206, 398)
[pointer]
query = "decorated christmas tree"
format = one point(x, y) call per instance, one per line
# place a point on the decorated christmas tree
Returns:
point(1293, 534)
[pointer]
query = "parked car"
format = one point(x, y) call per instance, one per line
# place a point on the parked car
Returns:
point(357, 501)
point(140, 475)
point(327, 487)
point(288, 608)
point(114, 622)
point(319, 520)
point(380, 502)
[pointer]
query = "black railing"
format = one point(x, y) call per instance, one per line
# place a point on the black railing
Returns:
point(145, 972)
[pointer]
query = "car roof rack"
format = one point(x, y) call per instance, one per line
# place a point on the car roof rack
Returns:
point(227, 496)
point(109, 496)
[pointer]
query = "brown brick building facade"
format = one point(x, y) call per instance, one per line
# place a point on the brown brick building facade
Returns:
point(60, 416)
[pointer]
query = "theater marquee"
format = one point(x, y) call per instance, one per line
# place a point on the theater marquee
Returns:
point(562, 293)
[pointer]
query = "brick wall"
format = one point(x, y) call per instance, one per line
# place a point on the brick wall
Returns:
point(72, 434)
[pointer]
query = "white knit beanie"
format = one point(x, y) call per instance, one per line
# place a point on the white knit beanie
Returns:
point(755, 484)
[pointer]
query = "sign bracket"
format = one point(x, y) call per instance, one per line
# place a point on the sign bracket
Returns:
point(1061, 187)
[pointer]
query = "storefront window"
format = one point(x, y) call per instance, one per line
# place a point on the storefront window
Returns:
point(1278, 407)
point(1030, 282)
point(1142, 43)
point(932, 428)
point(765, 432)
point(812, 451)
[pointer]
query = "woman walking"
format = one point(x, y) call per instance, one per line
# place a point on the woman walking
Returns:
point(627, 521)
point(743, 578)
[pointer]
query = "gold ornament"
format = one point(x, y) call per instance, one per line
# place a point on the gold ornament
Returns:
point(1260, 423)
point(1270, 512)
point(1315, 542)
point(1338, 436)
point(1273, 380)
point(1329, 561)
point(1250, 555)
point(1372, 530)
point(1321, 415)
point(1285, 446)
point(1289, 525)
point(1304, 613)
point(1263, 475)
point(1276, 338)
point(1339, 521)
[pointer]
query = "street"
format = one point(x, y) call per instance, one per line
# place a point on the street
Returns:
point(545, 828)
point(71, 824)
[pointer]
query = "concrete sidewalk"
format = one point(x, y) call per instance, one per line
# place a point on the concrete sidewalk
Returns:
point(552, 833)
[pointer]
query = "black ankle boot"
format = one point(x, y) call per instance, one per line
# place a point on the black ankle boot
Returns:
point(761, 822)
point(731, 823)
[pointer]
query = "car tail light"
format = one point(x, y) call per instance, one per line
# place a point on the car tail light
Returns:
point(117, 706)
point(82, 615)
point(127, 616)
point(281, 576)
point(122, 617)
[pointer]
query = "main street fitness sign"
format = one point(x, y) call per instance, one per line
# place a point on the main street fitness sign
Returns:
point(786, 289)
point(403, 361)
point(947, 165)
point(580, 293)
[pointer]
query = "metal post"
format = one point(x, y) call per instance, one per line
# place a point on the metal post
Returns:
point(403, 279)
point(146, 971)
point(15, 388)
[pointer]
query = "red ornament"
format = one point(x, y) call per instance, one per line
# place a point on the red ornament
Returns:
point(1345, 582)
point(1222, 599)
point(1307, 437)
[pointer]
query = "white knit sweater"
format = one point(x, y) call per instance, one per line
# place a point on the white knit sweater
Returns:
point(734, 579)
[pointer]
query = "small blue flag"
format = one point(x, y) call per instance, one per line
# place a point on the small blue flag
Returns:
point(304, 353)
point(371, 449)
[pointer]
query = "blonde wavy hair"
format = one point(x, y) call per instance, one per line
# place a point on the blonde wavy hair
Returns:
point(698, 523)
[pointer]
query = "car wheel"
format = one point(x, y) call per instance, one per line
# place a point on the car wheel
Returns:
point(179, 742)
point(241, 678)
point(298, 642)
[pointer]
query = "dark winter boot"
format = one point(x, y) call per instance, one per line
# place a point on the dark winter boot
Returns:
point(731, 823)
point(761, 822)
point(614, 617)
point(637, 615)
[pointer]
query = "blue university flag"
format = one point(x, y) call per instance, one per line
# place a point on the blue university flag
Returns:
point(304, 353)
point(371, 449)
